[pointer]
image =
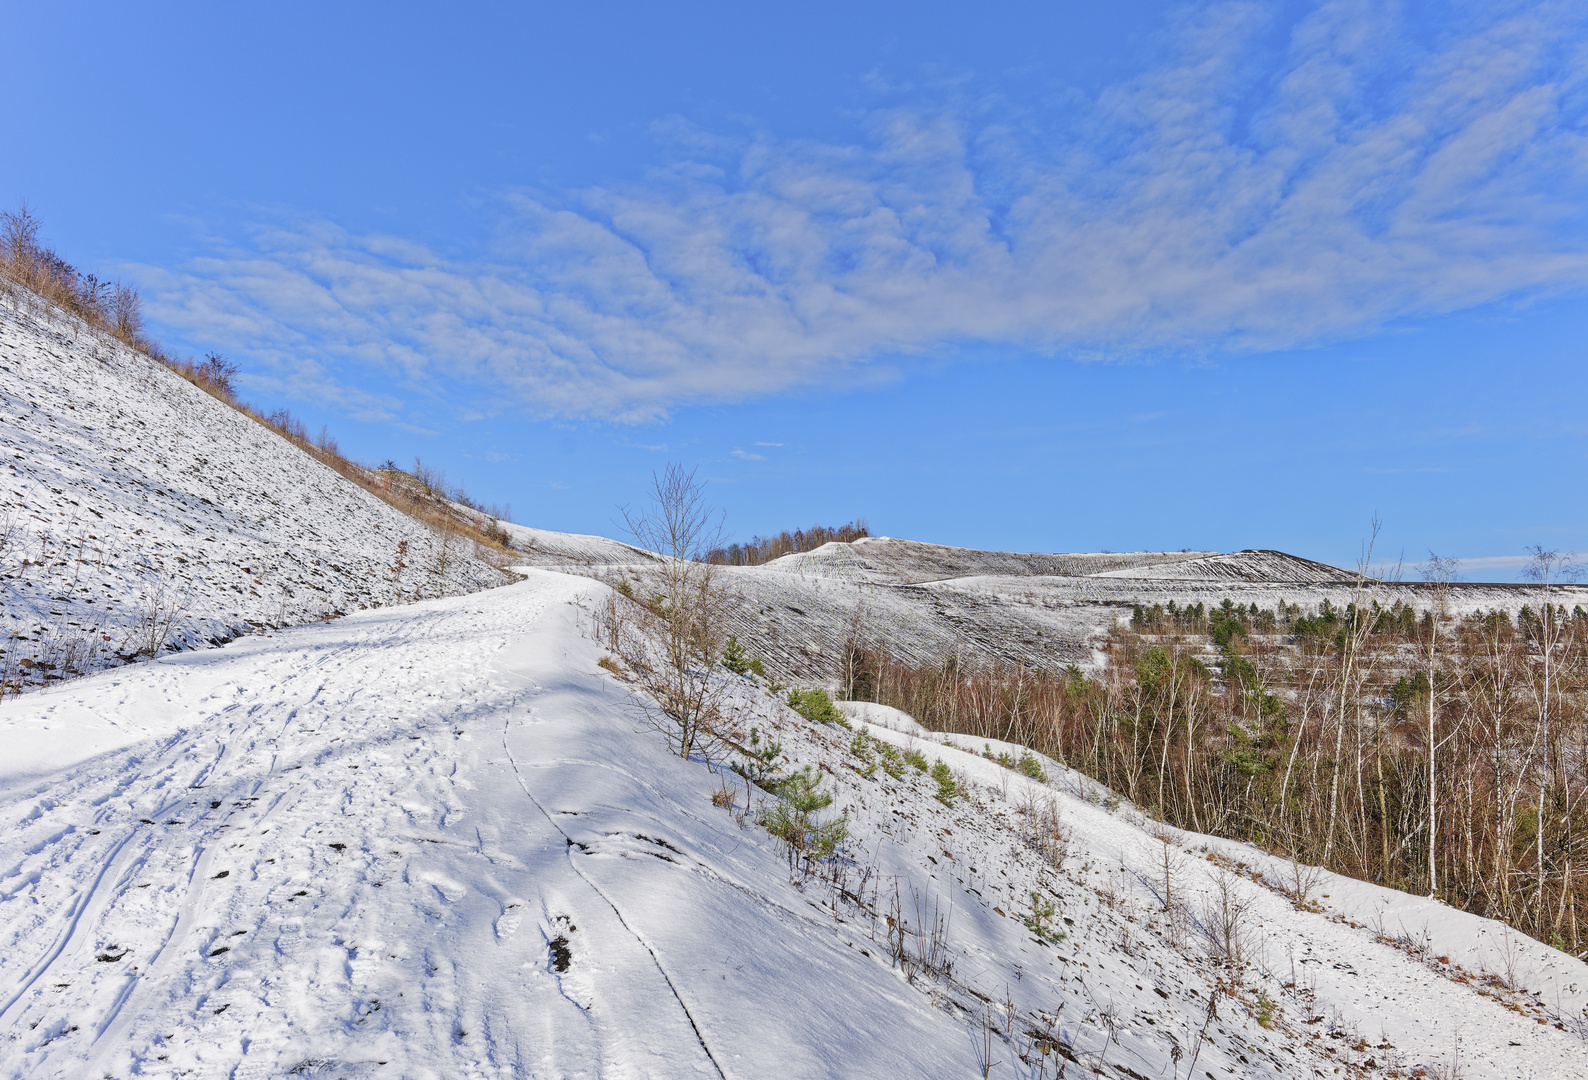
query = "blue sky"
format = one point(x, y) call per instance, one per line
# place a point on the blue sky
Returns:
point(1044, 277)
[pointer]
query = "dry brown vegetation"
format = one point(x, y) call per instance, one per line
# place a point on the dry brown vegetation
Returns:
point(1417, 749)
point(33, 275)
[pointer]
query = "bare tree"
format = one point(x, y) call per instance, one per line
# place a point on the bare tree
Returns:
point(687, 605)
point(156, 615)
point(1357, 631)
point(1545, 568)
point(19, 238)
point(1440, 572)
point(444, 555)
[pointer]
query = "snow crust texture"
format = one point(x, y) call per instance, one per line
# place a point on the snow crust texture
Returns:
point(435, 841)
point(128, 496)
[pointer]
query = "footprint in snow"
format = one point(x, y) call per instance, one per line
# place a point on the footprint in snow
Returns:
point(507, 923)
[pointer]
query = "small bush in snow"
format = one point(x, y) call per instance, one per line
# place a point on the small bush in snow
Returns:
point(947, 789)
point(792, 819)
point(736, 660)
point(916, 758)
point(816, 706)
point(892, 761)
point(1039, 919)
point(759, 762)
point(862, 747)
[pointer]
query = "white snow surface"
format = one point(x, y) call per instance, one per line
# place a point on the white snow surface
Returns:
point(120, 482)
point(543, 547)
point(885, 716)
point(887, 559)
point(1259, 566)
point(437, 840)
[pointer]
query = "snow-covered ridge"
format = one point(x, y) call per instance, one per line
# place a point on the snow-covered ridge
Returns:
point(542, 547)
point(1250, 566)
point(128, 496)
point(797, 612)
point(884, 559)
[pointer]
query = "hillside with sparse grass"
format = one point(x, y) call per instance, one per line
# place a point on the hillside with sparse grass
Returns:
point(140, 514)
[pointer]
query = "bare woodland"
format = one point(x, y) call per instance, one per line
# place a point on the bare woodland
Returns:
point(1411, 747)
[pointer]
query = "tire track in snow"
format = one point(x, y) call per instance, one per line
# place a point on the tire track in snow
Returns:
point(85, 899)
point(206, 756)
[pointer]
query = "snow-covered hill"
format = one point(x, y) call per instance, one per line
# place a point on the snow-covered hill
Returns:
point(436, 841)
point(1249, 566)
point(130, 499)
point(542, 547)
point(925, 602)
point(884, 559)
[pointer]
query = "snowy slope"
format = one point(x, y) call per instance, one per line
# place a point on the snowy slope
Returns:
point(435, 841)
point(125, 491)
point(926, 602)
point(1259, 566)
point(542, 547)
point(884, 559)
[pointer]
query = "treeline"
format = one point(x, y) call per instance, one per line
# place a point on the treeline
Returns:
point(117, 309)
point(759, 550)
point(1427, 752)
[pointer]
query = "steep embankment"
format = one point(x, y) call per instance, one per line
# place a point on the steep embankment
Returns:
point(132, 503)
point(437, 840)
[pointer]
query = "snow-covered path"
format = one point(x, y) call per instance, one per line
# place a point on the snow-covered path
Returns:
point(379, 840)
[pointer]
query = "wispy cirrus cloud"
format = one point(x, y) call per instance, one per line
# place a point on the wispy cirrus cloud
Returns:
point(1234, 196)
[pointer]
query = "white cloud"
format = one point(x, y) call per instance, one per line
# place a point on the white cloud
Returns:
point(1494, 562)
point(745, 455)
point(1232, 197)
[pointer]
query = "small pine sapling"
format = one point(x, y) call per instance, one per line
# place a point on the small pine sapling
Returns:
point(892, 760)
point(862, 747)
point(1264, 1010)
point(792, 819)
point(916, 758)
point(947, 789)
point(759, 764)
point(816, 706)
point(1039, 919)
point(734, 658)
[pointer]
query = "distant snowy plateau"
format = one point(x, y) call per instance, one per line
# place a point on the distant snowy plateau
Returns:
point(370, 835)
